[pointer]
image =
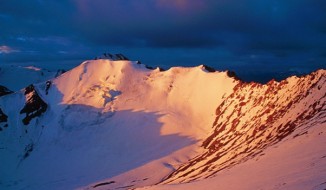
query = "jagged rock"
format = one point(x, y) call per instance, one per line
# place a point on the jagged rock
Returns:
point(240, 133)
point(114, 57)
point(110, 55)
point(209, 69)
point(232, 74)
point(34, 105)
point(161, 69)
point(4, 91)
point(149, 67)
point(120, 56)
point(48, 85)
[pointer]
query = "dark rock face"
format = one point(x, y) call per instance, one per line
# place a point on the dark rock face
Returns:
point(232, 74)
point(149, 67)
point(161, 69)
point(115, 57)
point(209, 69)
point(4, 91)
point(48, 85)
point(119, 56)
point(3, 116)
point(34, 105)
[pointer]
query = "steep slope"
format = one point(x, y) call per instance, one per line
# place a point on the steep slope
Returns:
point(104, 119)
point(109, 124)
point(297, 162)
point(254, 117)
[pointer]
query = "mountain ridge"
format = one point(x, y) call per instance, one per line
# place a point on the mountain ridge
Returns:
point(273, 111)
point(188, 123)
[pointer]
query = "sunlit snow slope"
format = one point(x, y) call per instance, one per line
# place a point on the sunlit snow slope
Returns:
point(117, 124)
point(254, 117)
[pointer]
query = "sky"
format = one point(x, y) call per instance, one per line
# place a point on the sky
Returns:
point(255, 38)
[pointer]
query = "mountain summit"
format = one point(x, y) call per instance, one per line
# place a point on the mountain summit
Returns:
point(119, 125)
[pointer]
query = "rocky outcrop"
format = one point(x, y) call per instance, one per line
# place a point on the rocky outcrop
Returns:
point(4, 91)
point(232, 74)
point(34, 105)
point(209, 69)
point(47, 86)
point(113, 57)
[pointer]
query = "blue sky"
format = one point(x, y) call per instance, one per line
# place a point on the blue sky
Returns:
point(249, 36)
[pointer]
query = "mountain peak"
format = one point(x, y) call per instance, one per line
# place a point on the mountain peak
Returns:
point(119, 120)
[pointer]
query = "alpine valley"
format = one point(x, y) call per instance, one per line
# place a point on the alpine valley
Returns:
point(118, 124)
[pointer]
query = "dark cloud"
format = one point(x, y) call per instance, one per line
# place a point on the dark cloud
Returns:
point(220, 32)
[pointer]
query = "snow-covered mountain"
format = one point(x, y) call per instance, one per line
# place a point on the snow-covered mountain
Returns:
point(120, 125)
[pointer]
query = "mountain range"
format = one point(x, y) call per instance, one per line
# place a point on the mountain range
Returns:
point(118, 124)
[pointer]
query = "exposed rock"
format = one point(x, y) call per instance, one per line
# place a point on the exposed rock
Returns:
point(4, 91)
point(232, 74)
point(149, 67)
point(34, 105)
point(120, 56)
point(104, 183)
point(48, 85)
point(240, 133)
point(161, 69)
point(209, 69)
point(114, 57)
